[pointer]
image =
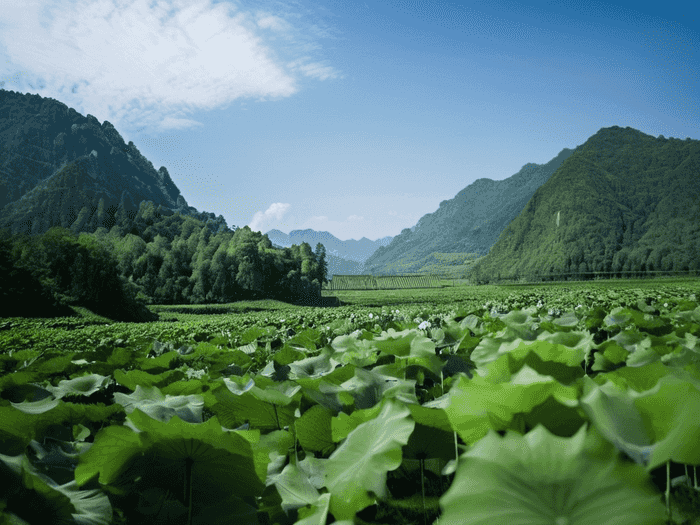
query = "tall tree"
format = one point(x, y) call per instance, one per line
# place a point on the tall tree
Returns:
point(322, 265)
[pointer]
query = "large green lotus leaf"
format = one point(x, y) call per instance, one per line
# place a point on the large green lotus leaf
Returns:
point(36, 407)
point(317, 514)
point(557, 361)
point(558, 418)
point(343, 424)
point(430, 416)
point(410, 346)
point(24, 392)
point(311, 367)
point(198, 463)
point(314, 430)
point(491, 348)
point(614, 414)
point(151, 401)
point(480, 404)
point(369, 387)
point(356, 472)
point(575, 339)
point(641, 378)
point(23, 422)
point(521, 324)
point(306, 339)
point(52, 365)
point(235, 409)
point(350, 351)
point(542, 479)
point(295, 488)
point(133, 378)
point(567, 320)
point(36, 499)
point(395, 343)
point(652, 427)
point(670, 413)
point(83, 386)
point(281, 394)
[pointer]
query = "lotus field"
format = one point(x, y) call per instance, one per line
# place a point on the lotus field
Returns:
point(557, 405)
point(382, 282)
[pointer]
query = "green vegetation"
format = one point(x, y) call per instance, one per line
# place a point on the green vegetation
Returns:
point(447, 264)
point(622, 203)
point(156, 257)
point(382, 282)
point(470, 222)
point(480, 402)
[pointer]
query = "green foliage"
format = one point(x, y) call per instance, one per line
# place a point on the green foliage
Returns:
point(622, 203)
point(282, 414)
point(71, 271)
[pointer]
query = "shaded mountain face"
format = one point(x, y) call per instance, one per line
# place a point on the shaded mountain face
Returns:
point(352, 250)
point(468, 223)
point(54, 162)
point(623, 201)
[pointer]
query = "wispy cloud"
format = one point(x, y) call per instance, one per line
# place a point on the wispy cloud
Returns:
point(141, 63)
point(262, 221)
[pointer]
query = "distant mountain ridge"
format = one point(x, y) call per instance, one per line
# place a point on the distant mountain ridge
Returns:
point(58, 166)
point(468, 223)
point(624, 201)
point(343, 257)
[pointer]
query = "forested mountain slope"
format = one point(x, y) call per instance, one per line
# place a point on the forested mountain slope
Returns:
point(623, 201)
point(59, 168)
point(468, 223)
point(87, 221)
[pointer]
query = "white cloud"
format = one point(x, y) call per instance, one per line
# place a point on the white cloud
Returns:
point(313, 69)
point(272, 22)
point(262, 220)
point(355, 218)
point(178, 123)
point(150, 63)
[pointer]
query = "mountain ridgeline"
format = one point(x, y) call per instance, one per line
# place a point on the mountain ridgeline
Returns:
point(469, 223)
point(86, 220)
point(343, 257)
point(623, 202)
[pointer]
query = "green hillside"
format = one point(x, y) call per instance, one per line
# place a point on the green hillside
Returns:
point(623, 201)
point(470, 222)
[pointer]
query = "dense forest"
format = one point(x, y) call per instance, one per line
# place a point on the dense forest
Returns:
point(624, 203)
point(152, 256)
point(86, 220)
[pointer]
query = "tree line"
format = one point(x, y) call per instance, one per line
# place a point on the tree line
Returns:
point(152, 256)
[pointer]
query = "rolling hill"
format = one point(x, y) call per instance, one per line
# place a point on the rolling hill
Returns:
point(622, 201)
point(467, 224)
point(60, 168)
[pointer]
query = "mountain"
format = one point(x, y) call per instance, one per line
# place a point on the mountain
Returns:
point(469, 223)
point(623, 201)
point(343, 257)
point(58, 167)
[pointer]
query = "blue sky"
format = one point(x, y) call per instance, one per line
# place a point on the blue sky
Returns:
point(354, 117)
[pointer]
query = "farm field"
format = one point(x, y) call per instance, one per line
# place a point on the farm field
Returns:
point(399, 406)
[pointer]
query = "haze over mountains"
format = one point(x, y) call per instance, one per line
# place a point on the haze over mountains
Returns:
point(622, 201)
point(343, 257)
point(468, 223)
